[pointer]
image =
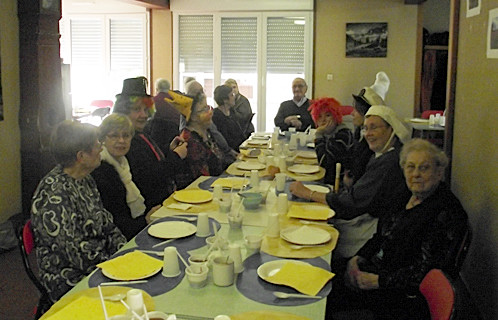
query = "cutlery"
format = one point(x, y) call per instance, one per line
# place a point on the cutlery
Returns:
point(131, 310)
point(283, 295)
point(119, 283)
point(103, 303)
point(161, 243)
point(185, 218)
point(316, 223)
point(115, 297)
point(298, 246)
point(158, 253)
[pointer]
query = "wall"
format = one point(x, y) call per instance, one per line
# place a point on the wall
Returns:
point(161, 43)
point(350, 75)
point(475, 155)
point(10, 155)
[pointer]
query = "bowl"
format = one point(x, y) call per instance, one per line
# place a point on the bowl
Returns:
point(253, 241)
point(197, 275)
point(251, 200)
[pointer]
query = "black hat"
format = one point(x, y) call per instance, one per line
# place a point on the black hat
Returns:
point(365, 99)
point(135, 87)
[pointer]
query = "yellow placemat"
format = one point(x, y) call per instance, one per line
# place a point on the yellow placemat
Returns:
point(195, 208)
point(130, 266)
point(93, 293)
point(85, 308)
point(267, 315)
point(231, 182)
point(312, 211)
point(280, 248)
point(234, 171)
point(310, 281)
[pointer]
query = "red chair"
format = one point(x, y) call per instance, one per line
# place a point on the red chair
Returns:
point(26, 245)
point(102, 103)
point(346, 110)
point(427, 113)
point(439, 293)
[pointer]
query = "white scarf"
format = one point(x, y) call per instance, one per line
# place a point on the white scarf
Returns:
point(134, 199)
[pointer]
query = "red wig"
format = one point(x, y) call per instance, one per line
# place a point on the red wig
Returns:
point(326, 105)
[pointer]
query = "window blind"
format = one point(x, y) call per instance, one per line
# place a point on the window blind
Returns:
point(239, 45)
point(196, 43)
point(127, 44)
point(87, 47)
point(285, 45)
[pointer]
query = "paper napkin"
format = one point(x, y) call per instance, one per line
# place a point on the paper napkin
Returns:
point(131, 266)
point(307, 211)
point(236, 183)
point(87, 308)
point(306, 279)
point(179, 206)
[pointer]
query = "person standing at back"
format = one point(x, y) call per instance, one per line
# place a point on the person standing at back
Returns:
point(241, 109)
point(294, 113)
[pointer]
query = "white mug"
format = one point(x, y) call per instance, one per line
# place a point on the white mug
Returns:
point(280, 178)
point(282, 203)
point(223, 271)
point(171, 267)
point(273, 229)
point(203, 225)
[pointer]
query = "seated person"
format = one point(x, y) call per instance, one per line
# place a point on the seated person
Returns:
point(385, 275)
point(73, 231)
point(241, 109)
point(119, 193)
point(333, 140)
point(294, 113)
point(358, 207)
point(361, 153)
point(224, 118)
point(204, 156)
point(152, 168)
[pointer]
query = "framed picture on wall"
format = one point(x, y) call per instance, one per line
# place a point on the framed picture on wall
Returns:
point(492, 43)
point(473, 8)
point(366, 40)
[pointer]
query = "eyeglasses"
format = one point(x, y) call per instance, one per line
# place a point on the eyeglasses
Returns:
point(205, 109)
point(298, 86)
point(117, 136)
point(372, 128)
point(423, 168)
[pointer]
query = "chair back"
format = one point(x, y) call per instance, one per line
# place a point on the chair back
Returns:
point(458, 251)
point(439, 293)
point(102, 103)
point(346, 110)
point(427, 113)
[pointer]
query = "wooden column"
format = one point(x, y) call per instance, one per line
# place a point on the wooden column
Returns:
point(41, 89)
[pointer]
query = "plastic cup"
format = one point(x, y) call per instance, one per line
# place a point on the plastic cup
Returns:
point(253, 241)
point(223, 271)
point(282, 203)
point(171, 267)
point(197, 275)
point(203, 225)
point(235, 254)
point(280, 177)
point(273, 229)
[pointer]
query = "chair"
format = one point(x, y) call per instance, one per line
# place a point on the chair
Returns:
point(458, 252)
point(26, 245)
point(440, 294)
point(427, 113)
point(102, 103)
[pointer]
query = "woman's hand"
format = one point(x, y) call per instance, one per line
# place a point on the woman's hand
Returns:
point(298, 189)
point(179, 146)
point(356, 279)
point(352, 270)
point(151, 211)
point(367, 281)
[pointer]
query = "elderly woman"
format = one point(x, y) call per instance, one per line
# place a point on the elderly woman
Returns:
point(152, 168)
point(417, 237)
point(294, 113)
point(369, 198)
point(333, 140)
point(241, 109)
point(224, 117)
point(73, 232)
point(119, 193)
point(204, 155)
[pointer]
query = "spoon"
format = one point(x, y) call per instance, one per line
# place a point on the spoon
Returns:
point(298, 246)
point(186, 218)
point(158, 253)
point(283, 295)
point(316, 223)
point(115, 297)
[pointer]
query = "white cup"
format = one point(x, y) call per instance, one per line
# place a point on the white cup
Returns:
point(270, 161)
point(276, 130)
point(282, 203)
point(303, 139)
point(311, 135)
point(277, 149)
point(171, 267)
point(203, 225)
point(235, 219)
point(280, 178)
point(235, 254)
point(225, 204)
point(292, 130)
point(198, 259)
point(223, 271)
point(273, 229)
point(217, 191)
point(222, 317)
point(253, 241)
point(254, 178)
point(282, 165)
point(293, 142)
point(135, 300)
point(197, 275)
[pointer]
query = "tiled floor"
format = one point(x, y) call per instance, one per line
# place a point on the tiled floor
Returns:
point(18, 295)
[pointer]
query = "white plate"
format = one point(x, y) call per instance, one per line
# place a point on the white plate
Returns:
point(304, 168)
point(193, 196)
point(310, 145)
point(250, 165)
point(260, 137)
point(317, 207)
point(110, 276)
point(317, 188)
point(305, 235)
point(258, 142)
point(307, 154)
point(269, 268)
point(172, 229)
point(419, 120)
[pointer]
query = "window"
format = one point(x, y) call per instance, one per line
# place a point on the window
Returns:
point(102, 51)
point(262, 51)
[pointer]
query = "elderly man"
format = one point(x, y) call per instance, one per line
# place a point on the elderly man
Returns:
point(165, 110)
point(294, 113)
